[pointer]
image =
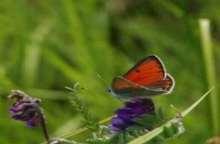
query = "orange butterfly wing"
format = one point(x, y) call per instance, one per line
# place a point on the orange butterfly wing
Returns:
point(146, 71)
point(149, 74)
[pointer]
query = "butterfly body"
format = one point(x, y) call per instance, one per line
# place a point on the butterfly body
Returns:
point(147, 78)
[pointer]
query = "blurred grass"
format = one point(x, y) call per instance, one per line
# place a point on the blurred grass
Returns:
point(46, 45)
point(210, 70)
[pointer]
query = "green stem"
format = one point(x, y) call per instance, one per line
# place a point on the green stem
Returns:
point(189, 109)
point(43, 124)
point(210, 71)
point(83, 131)
point(124, 137)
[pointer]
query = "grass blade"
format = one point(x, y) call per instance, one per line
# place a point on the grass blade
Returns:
point(210, 71)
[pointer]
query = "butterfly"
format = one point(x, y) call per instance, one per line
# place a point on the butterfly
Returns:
point(146, 79)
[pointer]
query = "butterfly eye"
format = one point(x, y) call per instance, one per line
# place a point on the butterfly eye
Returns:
point(109, 90)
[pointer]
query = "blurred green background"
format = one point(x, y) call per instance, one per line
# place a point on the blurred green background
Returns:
point(46, 45)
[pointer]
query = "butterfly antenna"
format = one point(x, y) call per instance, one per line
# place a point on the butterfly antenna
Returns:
point(102, 80)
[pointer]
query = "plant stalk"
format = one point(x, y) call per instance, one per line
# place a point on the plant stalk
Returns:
point(44, 128)
point(206, 42)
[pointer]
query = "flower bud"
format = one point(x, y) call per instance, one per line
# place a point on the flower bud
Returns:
point(25, 108)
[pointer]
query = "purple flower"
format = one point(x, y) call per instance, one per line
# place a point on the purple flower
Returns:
point(25, 108)
point(132, 110)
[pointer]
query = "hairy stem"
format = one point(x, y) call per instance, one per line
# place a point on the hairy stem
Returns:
point(44, 128)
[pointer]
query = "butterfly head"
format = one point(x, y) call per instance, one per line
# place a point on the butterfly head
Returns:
point(110, 90)
point(114, 94)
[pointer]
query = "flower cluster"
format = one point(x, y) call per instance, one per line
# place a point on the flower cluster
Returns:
point(134, 109)
point(25, 108)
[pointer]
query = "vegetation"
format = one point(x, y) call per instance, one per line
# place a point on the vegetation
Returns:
point(46, 45)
